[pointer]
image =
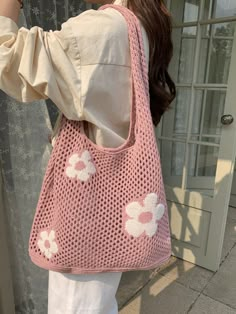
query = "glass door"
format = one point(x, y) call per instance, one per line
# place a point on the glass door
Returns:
point(197, 136)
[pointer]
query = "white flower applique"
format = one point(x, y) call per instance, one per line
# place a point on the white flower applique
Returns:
point(144, 219)
point(47, 243)
point(80, 167)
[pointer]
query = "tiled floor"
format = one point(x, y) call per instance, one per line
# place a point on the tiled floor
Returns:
point(181, 287)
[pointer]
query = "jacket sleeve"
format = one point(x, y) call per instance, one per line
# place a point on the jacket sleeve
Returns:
point(35, 64)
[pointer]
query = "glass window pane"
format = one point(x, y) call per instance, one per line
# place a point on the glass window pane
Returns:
point(181, 67)
point(185, 10)
point(202, 165)
point(193, 152)
point(182, 107)
point(208, 110)
point(175, 120)
point(215, 53)
point(219, 8)
point(202, 160)
point(214, 109)
point(172, 167)
point(197, 116)
point(177, 158)
point(208, 161)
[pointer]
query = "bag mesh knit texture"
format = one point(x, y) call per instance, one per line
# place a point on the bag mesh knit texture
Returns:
point(88, 222)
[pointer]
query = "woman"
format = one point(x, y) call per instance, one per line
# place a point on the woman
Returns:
point(85, 69)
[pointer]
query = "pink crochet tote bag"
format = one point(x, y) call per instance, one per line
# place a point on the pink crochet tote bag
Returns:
point(104, 209)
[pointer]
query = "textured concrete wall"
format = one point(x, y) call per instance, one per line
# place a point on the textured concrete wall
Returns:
point(6, 290)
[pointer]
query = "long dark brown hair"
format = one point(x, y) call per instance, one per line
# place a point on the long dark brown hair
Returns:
point(156, 20)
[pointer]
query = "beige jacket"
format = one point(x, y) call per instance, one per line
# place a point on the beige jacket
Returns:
point(84, 69)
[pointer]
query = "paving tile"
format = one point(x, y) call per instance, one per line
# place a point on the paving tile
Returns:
point(222, 286)
point(161, 295)
point(188, 274)
point(229, 237)
point(133, 281)
point(130, 283)
point(206, 305)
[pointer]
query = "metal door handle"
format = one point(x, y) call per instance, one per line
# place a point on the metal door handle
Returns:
point(227, 119)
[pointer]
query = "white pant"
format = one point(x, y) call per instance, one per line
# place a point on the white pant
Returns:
point(83, 294)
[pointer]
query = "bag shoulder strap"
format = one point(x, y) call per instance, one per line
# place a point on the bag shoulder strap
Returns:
point(139, 65)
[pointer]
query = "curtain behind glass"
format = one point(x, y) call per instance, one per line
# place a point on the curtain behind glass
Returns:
point(24, 153)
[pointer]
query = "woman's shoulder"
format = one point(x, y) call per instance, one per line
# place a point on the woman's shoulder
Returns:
point(102, 36)
point(100, 20)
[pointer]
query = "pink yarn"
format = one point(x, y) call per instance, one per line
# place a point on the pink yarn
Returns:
point(104, 209)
